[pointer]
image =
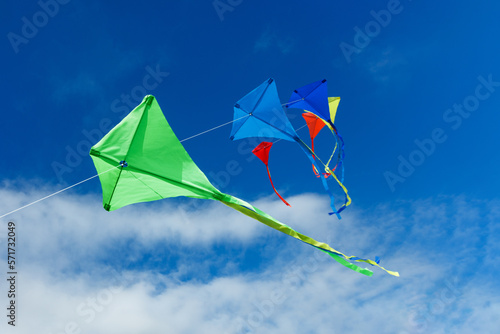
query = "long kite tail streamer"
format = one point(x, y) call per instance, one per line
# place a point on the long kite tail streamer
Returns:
point(341, 153)
point(266, 219)
point(154, 165)
point(310, 154)
point(340, 165)
point(262, 152)
point(314, 98)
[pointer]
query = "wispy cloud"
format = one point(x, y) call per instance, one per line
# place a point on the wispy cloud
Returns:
point(270, 40)
point(387, 65)
point(113, 272)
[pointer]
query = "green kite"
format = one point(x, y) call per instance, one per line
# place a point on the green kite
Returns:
point(152, 164)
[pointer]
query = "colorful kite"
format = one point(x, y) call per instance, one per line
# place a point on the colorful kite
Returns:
point(152, 164)
point(260, 114)
point(262, 152)
point(313, 98)
point(315, 125)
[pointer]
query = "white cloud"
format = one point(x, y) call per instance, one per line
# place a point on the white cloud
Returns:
point(66, 278)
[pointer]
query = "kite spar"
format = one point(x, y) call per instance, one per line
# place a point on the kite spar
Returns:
point(153, 165)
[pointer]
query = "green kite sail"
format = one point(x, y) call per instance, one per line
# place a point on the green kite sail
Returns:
point(152, 164)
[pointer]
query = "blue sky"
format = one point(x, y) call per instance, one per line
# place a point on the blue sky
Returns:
point(420, 90)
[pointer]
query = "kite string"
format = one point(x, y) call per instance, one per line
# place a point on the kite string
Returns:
point(284, 104)
point(303, 126)
point(212, 129)
point(90, 178)
point(234, 120)
point(58, 192)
